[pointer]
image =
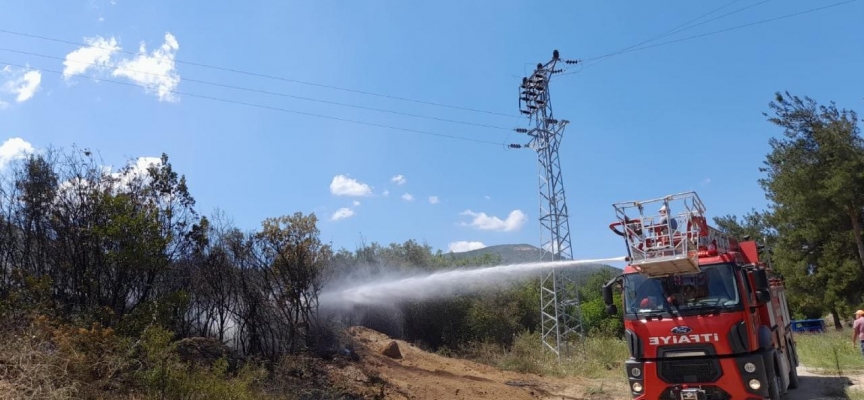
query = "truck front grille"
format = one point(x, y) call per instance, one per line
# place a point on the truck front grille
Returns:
point(711, 393)
point(689, 371)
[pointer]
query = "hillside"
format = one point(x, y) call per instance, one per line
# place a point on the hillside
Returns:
point(517, 254)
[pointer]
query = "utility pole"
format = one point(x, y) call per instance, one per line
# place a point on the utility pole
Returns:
point(560, 310)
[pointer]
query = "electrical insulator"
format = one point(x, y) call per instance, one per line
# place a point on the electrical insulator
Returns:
point(521, 130)
point(572, 61)
point(526, 112)
point(515, 146)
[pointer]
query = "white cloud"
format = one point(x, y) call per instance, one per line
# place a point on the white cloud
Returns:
point(488, 197)
point(342, 213)
point(156, 72)
point(118, 182)
point(515, 221)
point(12, 149)
point(706, 181)
point(463, 246)
point(385, 193)
point(399, 179)
point(552, 247)
point(22, 83)
point(356, 203)
point(139, 169)
point(97, 54)
point(345, 186)
point(433, 200)
point(408, 197)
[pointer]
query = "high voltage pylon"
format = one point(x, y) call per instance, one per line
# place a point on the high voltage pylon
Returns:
point(560, 310)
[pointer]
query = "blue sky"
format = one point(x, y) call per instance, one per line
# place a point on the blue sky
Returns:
point(671, 118)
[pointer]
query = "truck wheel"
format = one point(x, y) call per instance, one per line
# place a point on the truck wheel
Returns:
point(793, 376)
point(793, 370)
point(774, 388)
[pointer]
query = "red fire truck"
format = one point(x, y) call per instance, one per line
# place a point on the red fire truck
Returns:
point(704, 318)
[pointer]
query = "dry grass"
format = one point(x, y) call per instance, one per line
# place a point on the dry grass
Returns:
point(47, 361)
point(831, 352)
point(594, 357)
point(31, 369)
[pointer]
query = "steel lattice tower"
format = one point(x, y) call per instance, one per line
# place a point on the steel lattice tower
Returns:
point(560, 310)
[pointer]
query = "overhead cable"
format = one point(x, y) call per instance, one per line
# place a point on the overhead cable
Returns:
point(267, 76)
point(223, 100)
point(260, 91)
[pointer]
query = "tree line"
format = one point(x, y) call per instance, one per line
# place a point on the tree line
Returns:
point(814, 183)
point(128, 250)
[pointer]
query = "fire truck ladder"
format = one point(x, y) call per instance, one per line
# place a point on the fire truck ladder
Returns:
point(661, 242)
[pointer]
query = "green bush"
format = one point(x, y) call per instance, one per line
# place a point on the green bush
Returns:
point(164, 376)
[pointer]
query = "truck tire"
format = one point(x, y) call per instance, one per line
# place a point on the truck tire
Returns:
point(793, 368)
point(793, 375)
point(774, 388)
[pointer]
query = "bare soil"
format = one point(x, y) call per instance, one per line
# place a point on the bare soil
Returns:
point(420, 375)
point(816, 385)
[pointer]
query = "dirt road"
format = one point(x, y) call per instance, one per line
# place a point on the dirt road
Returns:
point(816, 386)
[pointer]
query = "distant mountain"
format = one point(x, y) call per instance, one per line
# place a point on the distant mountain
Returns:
point(518, 254)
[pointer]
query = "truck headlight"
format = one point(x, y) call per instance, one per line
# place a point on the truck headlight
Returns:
point(637, 387)
point(749, 367)
point(636, 372)
point(755, 384)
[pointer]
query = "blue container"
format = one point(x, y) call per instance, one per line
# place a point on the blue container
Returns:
point(808, 325)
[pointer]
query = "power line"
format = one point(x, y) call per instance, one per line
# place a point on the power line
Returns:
point(271, 107)
point(266, 76)
point(263, 91)
point(764, 21)
point(677, 29)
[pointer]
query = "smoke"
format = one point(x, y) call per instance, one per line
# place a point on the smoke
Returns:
point(391, 290)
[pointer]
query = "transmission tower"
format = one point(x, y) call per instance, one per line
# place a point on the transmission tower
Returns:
point(560, 310)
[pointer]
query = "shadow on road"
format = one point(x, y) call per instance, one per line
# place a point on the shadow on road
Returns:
point(820, 388)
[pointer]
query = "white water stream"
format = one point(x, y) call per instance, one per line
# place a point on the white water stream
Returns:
point(438, 284)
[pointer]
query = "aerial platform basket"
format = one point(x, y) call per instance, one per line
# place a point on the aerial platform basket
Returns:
point(664, 235)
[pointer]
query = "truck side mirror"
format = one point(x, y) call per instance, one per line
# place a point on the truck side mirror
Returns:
point(611, 309)
point(760, 278)
point(607, 294)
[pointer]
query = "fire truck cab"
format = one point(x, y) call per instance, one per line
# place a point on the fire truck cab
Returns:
point(704, 318)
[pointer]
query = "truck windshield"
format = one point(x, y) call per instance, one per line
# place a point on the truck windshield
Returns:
point(713, 288)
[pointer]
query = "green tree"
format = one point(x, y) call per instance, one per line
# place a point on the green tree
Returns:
point(815, 182)
point(291, 257)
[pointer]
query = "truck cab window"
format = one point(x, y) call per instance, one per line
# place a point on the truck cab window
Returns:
point(714, 286)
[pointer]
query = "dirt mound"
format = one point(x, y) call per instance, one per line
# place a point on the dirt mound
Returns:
point(392, 350)
point(420, 375)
